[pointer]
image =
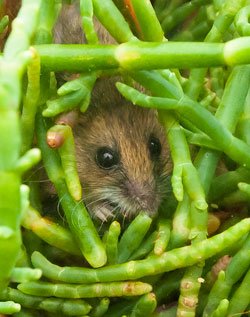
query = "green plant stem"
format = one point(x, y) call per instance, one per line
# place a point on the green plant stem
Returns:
point(196, 31)
point(238, 265)
point(50, 232)
point(27, 161)
point(183, 170)
point(111, 242)
point(206, 162)
point(190, 283)
point(169, 8)
point(180, 224)
point(71, 94)
point(108, 14)
point(55, 305)
point(220, 25)
point(236, 89)
point(121, 308)
point(10, 221)
point(159, 5)
point(145, 247)
point(25, 274)
point(238, 197)
point(199, 139)
point(163, 236)
point(217, 80)
point(9, 307)
point(242, 21)
point(87, 11)
point(244, 122)
point(86, 8)
point(144, 306)
point(168, 261)
point(113, 289)
point(240, 300)
point(68, 158)
point(245, 188)
point(226, 183)
point(100, 309)
point(180, 14)
point(133, 236)
point(222, 309)
point(142, 55)
point(147, 26)
point(47, 17)
point(77, 216)
point(30, 103)
point(13, 64)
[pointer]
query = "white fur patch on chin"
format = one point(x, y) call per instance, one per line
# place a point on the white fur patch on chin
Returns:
point(102, 213)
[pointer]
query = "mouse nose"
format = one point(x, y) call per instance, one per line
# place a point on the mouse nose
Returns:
point(143, 195)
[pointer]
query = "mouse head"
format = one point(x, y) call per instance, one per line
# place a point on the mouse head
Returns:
point(123, 159)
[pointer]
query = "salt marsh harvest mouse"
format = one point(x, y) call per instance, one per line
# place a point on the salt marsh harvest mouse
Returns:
point(122, 154)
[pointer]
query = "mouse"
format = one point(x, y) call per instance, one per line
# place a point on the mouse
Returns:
point(122, 155)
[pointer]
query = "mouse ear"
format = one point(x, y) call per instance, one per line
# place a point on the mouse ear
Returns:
point(68, 118)
point(105, 93)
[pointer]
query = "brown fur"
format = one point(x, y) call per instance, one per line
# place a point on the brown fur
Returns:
point(137, 183)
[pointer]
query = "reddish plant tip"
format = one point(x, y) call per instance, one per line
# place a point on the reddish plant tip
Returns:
point(131, 11)
point(55, 139)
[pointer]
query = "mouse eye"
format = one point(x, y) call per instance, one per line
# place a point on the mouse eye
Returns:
point(106, 158)
point(154, 146)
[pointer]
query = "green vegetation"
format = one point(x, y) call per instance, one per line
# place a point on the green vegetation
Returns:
point(192, 58)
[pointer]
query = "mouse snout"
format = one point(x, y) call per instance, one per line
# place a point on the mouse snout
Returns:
point(142, 195)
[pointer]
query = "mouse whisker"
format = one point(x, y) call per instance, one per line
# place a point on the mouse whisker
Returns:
point(94, 202)
point(38, 181)
point(36, 169)
point(58, 209)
